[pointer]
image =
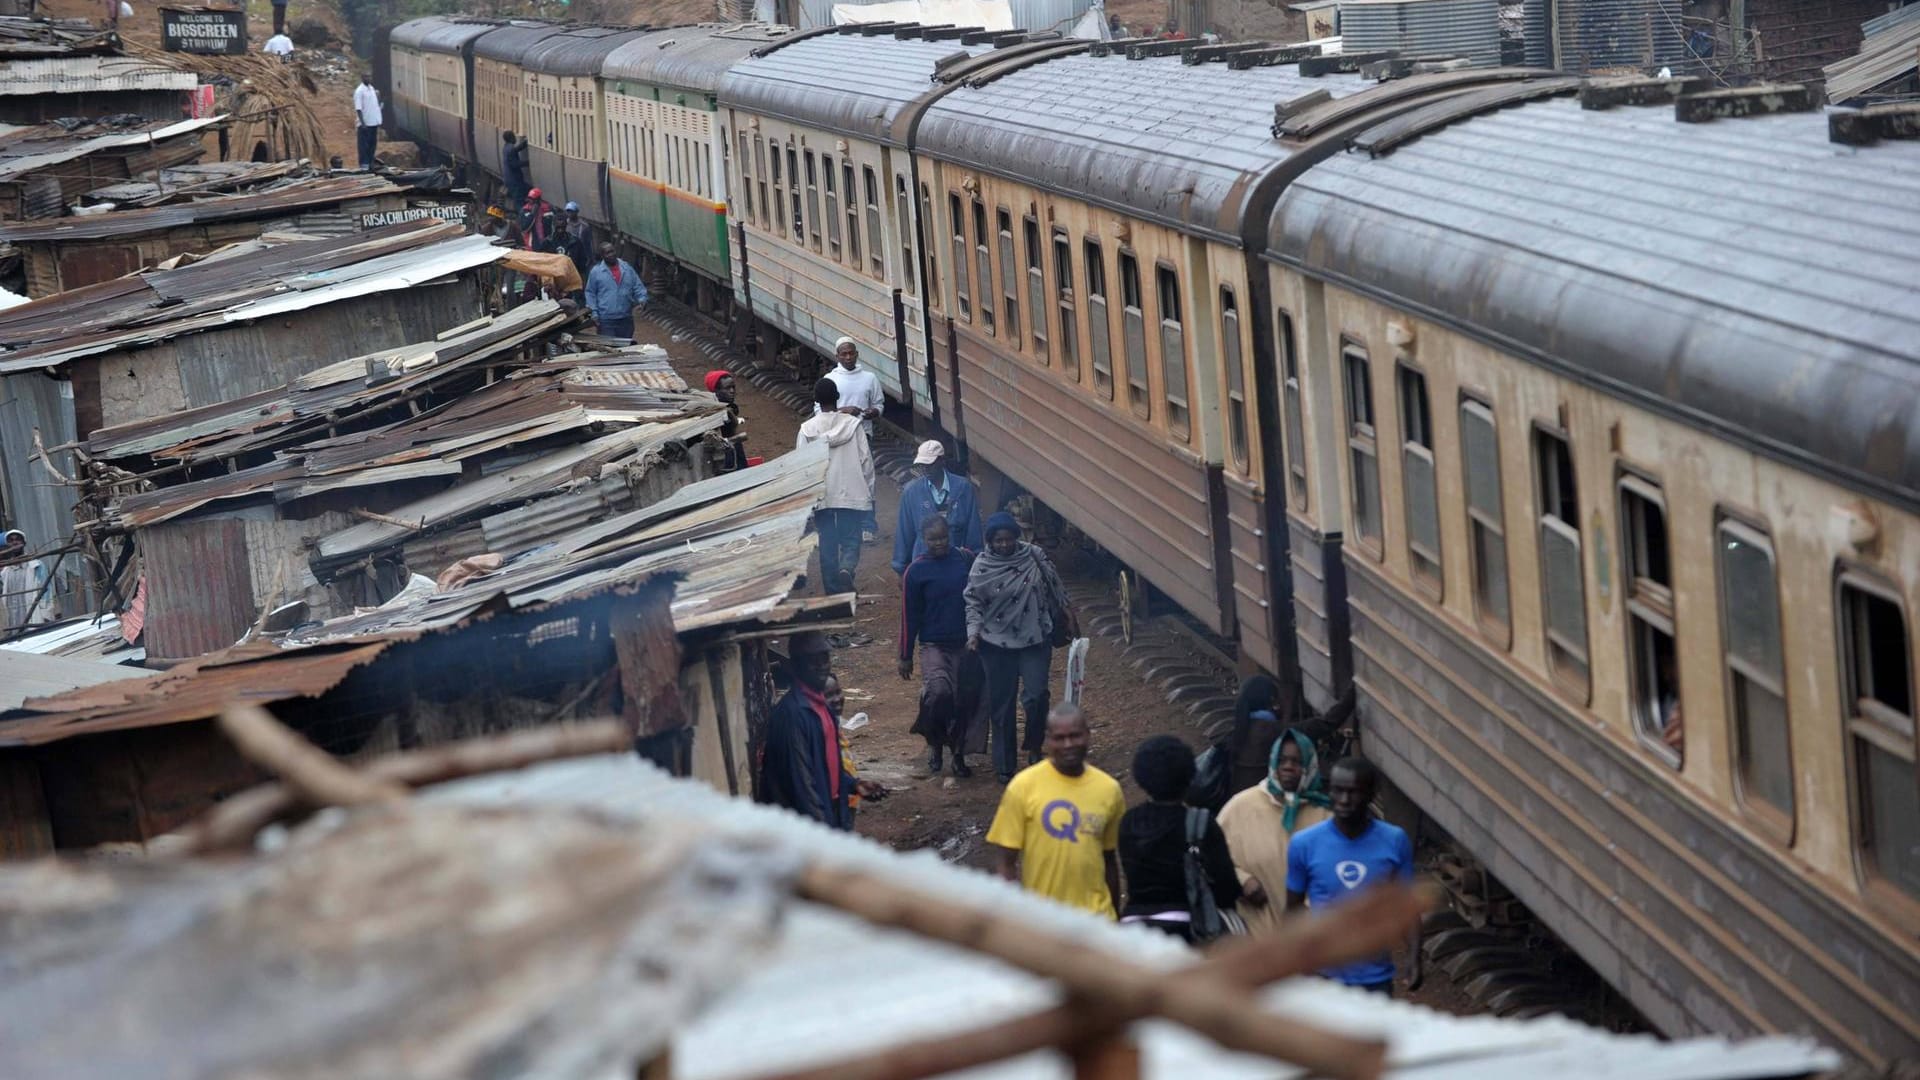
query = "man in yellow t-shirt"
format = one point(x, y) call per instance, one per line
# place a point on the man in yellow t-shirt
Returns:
point(1059, 822)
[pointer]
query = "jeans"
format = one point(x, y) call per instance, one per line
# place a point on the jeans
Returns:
point(839, 532)
point(616, 327)
point(1016, 676)
point(369, 135)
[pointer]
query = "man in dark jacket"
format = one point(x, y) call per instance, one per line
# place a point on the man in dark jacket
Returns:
point(513, 165)
point(802, 768)
point(933, 611)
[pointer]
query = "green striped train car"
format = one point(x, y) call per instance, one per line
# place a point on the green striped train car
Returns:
point(666, 162)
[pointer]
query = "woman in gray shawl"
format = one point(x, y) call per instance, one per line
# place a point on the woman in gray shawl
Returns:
point(1014, 597)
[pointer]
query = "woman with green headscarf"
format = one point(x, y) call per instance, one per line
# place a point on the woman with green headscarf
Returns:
point(1260, 822)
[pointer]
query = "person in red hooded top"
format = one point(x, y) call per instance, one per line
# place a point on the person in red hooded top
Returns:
point(721, 385)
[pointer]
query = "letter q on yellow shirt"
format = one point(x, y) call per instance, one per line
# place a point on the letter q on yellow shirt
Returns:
point(1062, 826)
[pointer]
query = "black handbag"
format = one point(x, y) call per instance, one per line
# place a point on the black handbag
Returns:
point(1208, 922)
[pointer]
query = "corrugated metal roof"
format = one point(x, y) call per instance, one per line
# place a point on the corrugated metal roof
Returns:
point(1466, 28)
point(577, 50)
point(442, 33)
point(1168, 141)
point(89, 75)
point(27, 149)
point(25, 36)
point(1888, 55)
point(911, 987)
point(688, 57)
point(265, 280)
point(807, 81)
point(26, 675)
point(274, 201)
point(1746, 274)
point(1891, 19)
point(1594, 35)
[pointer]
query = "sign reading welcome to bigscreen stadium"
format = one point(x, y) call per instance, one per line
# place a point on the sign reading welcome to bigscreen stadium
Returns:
point(209, 31)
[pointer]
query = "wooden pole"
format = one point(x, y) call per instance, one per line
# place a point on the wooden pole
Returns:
point(1213, 1007)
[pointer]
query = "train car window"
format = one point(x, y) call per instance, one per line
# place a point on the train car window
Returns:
point(1653, 656)
point(779, 194)
point(1099, 325)
point(1296, 433)
point(903, 207)
point(1036, 286)
point(1880, 723)
point(871, 184)
point(833, 208)
point(1009, 274)
point(1756, 672)
point(961, 259)
point(1133, 335)
point(922, 231)
point(1063, 299)
point(983, 264)
point(1561, 573)
point(1173, 351)
point(813, 202)
point(1230, 354)
point(746, 182)
point(1486, 520)
point(793, 195)
point(1362, 444)
point(760, 174)
point(1417, 480)
point(853, 216)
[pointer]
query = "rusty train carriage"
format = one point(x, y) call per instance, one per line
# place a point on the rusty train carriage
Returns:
point(499, 88)
point(564, 112)
point(1742, 560)
point(824, 168)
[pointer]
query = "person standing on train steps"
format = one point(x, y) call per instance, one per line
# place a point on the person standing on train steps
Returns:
point(859, 390)
point(848, 497)
point(1342, 857)
point(614, 289)
point(933, 611)
point(1017, 611)
point(366, 110)
point(1057, 829)
point(936, 492)
point(513, 166)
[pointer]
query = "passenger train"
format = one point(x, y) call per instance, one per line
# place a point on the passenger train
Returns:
point(1576, 424)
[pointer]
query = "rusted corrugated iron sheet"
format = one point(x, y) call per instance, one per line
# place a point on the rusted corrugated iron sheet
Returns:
point(22, 37)
point(275, 201)
point(200, 568)
point(90, 75)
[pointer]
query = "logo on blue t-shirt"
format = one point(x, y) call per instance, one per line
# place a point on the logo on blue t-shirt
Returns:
point(1350, 873)
point(1069, 829)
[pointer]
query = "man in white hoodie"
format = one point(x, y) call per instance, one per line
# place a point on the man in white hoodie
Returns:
point(849, 496)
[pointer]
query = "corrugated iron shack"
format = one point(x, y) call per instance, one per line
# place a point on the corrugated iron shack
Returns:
point(563, 631)
point(333, 493)
point(245, 322)
point(66, 253)
point(46, 168)
point(56, 68)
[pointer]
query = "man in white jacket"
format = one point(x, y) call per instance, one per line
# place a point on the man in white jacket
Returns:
point(849, 496)
point(861, 395)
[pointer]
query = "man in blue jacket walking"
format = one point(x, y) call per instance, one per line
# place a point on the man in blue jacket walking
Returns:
point(614, 289)
point(936, 493)
point(933, 611)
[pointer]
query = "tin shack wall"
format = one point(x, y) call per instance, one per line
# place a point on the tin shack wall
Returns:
point(247, 358)
point(33, 501)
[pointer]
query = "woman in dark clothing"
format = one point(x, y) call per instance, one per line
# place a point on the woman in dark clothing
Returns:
point(1263, 710)
point(1153, 843)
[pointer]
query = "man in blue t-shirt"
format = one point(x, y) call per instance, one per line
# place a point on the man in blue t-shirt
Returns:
point(1346, 855)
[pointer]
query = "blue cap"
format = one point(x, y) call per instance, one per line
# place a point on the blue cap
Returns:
point(572, 206)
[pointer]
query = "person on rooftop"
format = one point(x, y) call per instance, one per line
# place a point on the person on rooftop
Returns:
point(614, 289)
point(933, 612)
point(1342, 857)
point(1058, 823)
point(849, 490)
point(937, 492)
point(802, 767)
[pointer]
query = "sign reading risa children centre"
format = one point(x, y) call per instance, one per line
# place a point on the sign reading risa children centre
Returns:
point(208, 31)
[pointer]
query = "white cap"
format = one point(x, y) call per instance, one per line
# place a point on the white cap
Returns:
point(930, 452)
point(842, 343)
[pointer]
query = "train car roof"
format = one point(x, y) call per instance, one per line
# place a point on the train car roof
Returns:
point(849, 82)
point(510, 43)
point(1746, 275)
point(577, 50)
point(689, 57)
point(1154, 137)
point(442, 33)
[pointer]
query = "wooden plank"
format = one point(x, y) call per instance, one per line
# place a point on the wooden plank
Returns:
point(648, 653)
point(697, 700)
point(25, 830)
